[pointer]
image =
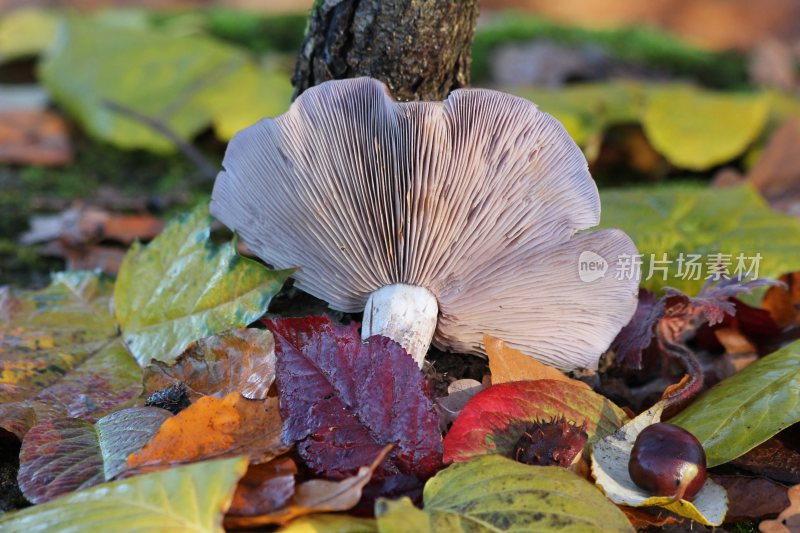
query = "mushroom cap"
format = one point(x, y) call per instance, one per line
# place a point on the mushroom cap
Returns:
point(477, 198)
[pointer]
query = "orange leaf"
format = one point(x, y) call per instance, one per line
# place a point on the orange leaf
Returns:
point(315, 496)
point(644, 518)
point(508, 364)
point(213, 428)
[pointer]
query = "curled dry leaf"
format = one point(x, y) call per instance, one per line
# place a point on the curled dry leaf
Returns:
point(68, 454)
point(212, 428)
point(458, 394)
point(494, 419)
point(610, 457)
point(343, 400)
point(508, 364)
point(789, 519)
point(240, 360)
point(315, 496)
point(265, 487)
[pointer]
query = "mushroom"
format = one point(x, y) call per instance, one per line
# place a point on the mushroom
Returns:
point(440, 220)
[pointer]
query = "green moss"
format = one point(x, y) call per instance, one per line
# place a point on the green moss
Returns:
point(96, 165)
point(259, 33)
point(643, 46)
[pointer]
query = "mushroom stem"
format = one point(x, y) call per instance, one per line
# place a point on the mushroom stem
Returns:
point(406, 314)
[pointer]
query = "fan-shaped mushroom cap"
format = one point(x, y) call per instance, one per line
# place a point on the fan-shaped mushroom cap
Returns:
point(476, 198)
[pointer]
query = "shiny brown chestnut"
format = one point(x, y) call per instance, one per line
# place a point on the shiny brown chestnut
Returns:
point(667, 460)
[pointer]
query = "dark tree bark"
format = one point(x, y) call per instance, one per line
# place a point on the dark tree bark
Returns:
point(421, 49)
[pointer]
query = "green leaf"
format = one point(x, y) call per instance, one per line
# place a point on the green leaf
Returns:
point(181, 287)
point(587, 109)
point(246, 96)
point(493, 493)
point(183, 81)
point(610, 458)
point(188, 498)
point(26, 32)
point(697, 129)
point(67, 454)
point(60, 353)
point(747, 408)
point(683, 219)
point(401, 516)
point(330, 523)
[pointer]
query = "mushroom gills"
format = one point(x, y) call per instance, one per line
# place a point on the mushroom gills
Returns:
point(407, 314)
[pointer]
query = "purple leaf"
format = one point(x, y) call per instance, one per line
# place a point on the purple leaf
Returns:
point(343, 400)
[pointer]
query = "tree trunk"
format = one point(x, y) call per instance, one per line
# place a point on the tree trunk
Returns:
point(421, 49)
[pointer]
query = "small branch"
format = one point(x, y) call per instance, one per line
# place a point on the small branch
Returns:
point(206, 168)
point(668, 333)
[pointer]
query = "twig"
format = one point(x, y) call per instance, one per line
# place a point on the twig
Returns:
point(206, 168)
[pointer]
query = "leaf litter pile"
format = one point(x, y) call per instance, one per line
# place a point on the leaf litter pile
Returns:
point(174, 397)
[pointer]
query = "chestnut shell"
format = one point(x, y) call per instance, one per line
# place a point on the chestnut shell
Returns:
point(669, 461)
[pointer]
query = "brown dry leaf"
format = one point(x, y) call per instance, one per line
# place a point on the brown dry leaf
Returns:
point(265, 487)
point(778, 458)
point(128, 228)
point(213, 428)
point(783, 303)
point(507, 364)
point(752, 497)
point(641, 518)
point(86, 257)
point(734, 342)
point(240, 360)
point(34, 137)
point(789, 519)
point(315, 496)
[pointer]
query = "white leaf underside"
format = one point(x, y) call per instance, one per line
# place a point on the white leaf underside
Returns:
point(476, 199)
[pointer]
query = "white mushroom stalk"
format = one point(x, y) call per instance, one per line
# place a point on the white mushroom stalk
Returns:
point(446, 220)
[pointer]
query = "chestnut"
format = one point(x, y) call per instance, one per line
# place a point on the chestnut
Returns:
point(667, 460)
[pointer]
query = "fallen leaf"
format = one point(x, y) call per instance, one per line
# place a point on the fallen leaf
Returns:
point(181, 288)
point(641, 518)
point(691, 220)
point(401, 516)
point(34, 137)
point(493, 493)
point(637, 336)
point(610, 458)
point(697, 129)
point(60, 353)
point(777, 458)
point(330, 523)
point(83, 224)
point(236, 360)
point(507, 364)
point(265, 487)
point(186, 498)
point(783, 302)
point(68, 454)
point(336, 392)
point(789, 519)
point(26, 32)
point(459, 393)
point(315, 496)
point(776, 174)
point(184, 81)
point(494, 419)
point(747, 408)
point(751, 498)
point(212, 428)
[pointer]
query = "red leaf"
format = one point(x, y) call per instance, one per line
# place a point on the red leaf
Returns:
point(634, 338)
point(495, 418)
point(343, 400)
